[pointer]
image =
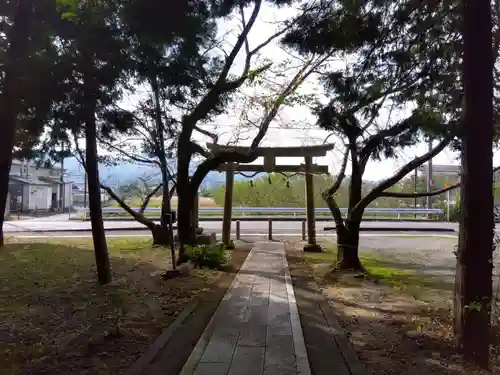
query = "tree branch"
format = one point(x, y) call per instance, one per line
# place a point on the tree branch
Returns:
point(172, 190)
point(80, 153)
point(214, 161)
point(197, 149)
point(375, 140)
point(136, 215)
point(335, 211)
point(418, 195)
point(135, 158)
point(340, 177)
point(147, 198)
point(294, 84)
point(386, 184)
point(220, 86)
point(211, 135)
point(424, 194)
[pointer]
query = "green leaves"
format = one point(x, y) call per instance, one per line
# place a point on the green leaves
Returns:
point(67, 8)
point(253, 74)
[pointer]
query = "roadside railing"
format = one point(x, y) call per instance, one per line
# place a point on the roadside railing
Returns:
point(256, 213)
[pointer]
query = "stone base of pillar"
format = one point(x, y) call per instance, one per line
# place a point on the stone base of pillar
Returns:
point(313, 248)
point(206, 239)
point(171, 274)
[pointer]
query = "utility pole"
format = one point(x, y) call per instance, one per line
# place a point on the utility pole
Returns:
point(473, 283)
point(62, 189)
point(85, 189)
point(415, 177)
point(429, 178)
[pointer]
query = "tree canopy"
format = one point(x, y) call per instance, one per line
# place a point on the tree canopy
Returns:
point(400, 85)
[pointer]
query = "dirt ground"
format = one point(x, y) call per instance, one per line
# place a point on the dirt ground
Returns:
point(395, 327)
point(55, 318)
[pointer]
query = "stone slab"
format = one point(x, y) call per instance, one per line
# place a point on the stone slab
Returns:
point(256, 329)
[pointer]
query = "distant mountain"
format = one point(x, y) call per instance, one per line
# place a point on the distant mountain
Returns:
point(129, 172)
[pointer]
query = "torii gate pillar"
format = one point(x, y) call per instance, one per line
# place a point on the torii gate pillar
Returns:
point(311, 246)
point(228, 206)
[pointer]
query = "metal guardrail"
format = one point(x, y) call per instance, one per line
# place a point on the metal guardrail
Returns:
point(274, 210)
point(278, 210)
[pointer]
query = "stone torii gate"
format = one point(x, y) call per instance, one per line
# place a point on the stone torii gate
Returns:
point(270, 154)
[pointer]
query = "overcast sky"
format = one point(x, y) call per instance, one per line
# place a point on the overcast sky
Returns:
point(307, 134)
point(296, 126)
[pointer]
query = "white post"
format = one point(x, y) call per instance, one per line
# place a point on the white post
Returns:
point(448, 205)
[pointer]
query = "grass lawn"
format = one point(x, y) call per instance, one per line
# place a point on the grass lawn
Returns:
point(398, 318)
point(55, 318)
point(155, 202)
point(402, 277)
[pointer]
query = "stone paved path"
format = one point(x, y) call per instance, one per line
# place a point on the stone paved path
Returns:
point(256, 329)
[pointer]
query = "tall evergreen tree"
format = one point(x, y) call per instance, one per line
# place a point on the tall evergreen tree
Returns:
point(403, 57)
point(172, 62)
point(473, 280)
point(213, 99)
point(92, 64)
point(25, 74)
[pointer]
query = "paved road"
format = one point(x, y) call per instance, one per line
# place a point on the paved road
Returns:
point(47, 225)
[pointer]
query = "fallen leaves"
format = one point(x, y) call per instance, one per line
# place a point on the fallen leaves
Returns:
point(55, 318)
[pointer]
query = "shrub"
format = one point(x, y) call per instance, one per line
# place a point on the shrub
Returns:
point(454, 211)
point(207, 256)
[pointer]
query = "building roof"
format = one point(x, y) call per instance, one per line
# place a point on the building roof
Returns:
point(441, 169)
point(31, 164)
point(28, 180)
point(53, 180)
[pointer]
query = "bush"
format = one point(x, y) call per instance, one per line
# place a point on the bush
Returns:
point(207, 256)
point(454, 211)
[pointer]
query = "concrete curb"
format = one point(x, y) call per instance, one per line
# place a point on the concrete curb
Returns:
point(197, 352)
point(265, 218)
point(356, 367)
point(400, 229)
point(152, 352)
point(127, 229)
point(301, 358)
point(310, 297)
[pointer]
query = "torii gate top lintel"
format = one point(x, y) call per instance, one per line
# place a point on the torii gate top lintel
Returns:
point(296, 151)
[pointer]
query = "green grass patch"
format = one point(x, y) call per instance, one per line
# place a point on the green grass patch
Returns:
point(137, 202)
point(387, 269)
point(59, 320)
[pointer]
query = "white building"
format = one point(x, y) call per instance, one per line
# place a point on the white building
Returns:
point(33, 188)
point(7, 207)
point(81, 195)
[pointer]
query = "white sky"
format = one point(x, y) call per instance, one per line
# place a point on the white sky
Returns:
point(306, 133)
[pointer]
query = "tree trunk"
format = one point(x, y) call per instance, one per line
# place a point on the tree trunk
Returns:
point(166, 206)
point(161, 236)
point(92, 169)
point(459, 282)
point(166, 209)
point(10, 99)
point(348, 239)
point(184, 200)
point(95, 204)
point(348, 247)
point(473, 294)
